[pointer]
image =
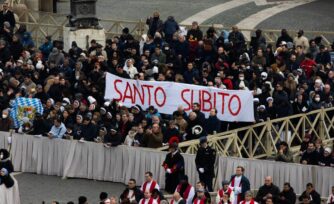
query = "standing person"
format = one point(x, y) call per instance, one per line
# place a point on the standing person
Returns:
point(7, 15)
point(205, 161)
point(311, 194)
point(301, 40)
point(149, 183)
point(240, 185)
point(154, 23)
point(170, 27)
point(174, 166)
point(287, 196)
point(186, 190)
point(148, 198)
point(131, 193)
point(268, 190)
point(237, 40)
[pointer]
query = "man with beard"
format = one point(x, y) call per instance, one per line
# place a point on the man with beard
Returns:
point(131, 193)
point(186, 190)
point(174, 166)
point(310, 156)
point(205, 161)
point(287, 196)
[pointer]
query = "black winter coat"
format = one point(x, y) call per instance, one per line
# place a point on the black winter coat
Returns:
point(287, 197)
point(264, 190)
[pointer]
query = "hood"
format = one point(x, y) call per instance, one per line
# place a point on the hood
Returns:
point(5, 154)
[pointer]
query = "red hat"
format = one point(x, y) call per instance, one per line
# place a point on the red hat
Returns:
point(173, 139)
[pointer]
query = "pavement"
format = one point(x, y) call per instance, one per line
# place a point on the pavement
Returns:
point(34, 189)
point(311, 15)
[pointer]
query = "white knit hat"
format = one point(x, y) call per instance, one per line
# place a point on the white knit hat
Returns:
point(91, 99)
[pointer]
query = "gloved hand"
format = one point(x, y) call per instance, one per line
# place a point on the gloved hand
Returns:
point(168, 171)
point(201, 170)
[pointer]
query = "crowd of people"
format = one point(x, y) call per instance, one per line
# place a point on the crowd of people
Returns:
point(296, 75)
point(236, 190)
point(293, 76)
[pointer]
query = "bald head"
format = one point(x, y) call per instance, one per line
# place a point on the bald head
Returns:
point(176, 196)
point(147, 194)
point(268, 180)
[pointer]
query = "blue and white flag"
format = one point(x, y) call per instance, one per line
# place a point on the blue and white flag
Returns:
point(25, 108)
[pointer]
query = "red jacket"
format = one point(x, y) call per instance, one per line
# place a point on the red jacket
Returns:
point(307, 65)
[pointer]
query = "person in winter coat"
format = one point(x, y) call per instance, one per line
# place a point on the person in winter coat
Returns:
point(155, 24)
point(170, 27)
point(301, 40)
point(46, 48)
point(195, 32)
point(131, 193)
point(325, 157)
point(284, 37)
point(4, 52)
point(310, 156)
point(112, 139)
point(7, 15)
point(205, 161)
point(130, 68)
point(88, 130)
point(287, 196)
point(174, 167)
point(153, 137)
point(311, 194)
point(16, 47)
point(284, 154)
point(213, 124)
point(323, 57)
point(171, 131)
point(27, 41)
point(237, 39)
point(281, 102)
point(268, 190)
point(195, 128)
point(129, 140)
point(56, 57)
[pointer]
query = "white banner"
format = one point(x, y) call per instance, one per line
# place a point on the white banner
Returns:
point(231, 105)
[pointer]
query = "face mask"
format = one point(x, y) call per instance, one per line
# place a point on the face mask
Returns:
point(4, 116)
point(242, 78)
point(317, 99)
